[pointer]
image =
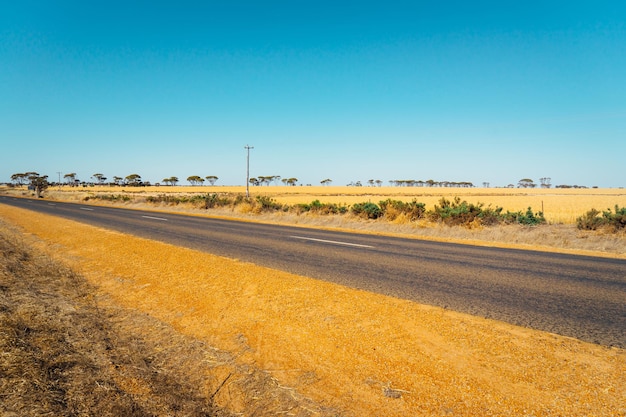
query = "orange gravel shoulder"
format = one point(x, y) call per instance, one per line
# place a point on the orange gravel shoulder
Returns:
point(351, 350)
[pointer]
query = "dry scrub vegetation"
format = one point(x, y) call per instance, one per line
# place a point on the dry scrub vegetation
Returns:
point(175, 326)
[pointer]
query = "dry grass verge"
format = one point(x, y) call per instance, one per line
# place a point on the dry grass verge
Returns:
point(69, 350)
point(358, 352)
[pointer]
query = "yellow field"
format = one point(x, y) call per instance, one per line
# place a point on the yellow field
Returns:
point(558, 205)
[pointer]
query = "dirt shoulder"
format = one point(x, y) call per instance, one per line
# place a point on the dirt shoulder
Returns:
point(69, 349)
point(342, 349)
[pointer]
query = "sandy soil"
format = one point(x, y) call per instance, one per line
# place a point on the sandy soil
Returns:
point(343, 349)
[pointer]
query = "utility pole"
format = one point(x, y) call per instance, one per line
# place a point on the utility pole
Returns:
point(59, 183)
point(248, 170)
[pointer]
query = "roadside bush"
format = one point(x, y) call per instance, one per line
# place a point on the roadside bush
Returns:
point(367, 210)
point(209, 201)
point(320, 208)
point(108, 197)
point(589, 220)
point(455, 212)
point(239, 199)
point(264, 203)
point(617, 219)
point(393, 208)
point(167, 199)
point(459, 212)
point(490, 216)
point(528, 218)
point(592, 221)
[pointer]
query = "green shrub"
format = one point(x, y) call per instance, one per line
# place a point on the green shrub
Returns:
point(320, 208)
point(589, 220)
point(393, 208)
point(491, 216)
point(455, 212)
point(265, 203)
point(239, 199)
point(618, 219)
point(459, 212)
point(208, 201)
point(108, 197)
point(167, 199)
point(592, 221)
point(528, 218)
point(366, 210)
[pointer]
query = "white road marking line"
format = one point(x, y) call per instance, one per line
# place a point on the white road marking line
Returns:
point(154, 218)
point(51, 204)
point(86, 208)
point(335, 242)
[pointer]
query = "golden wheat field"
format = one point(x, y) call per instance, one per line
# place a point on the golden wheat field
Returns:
point(561, 206)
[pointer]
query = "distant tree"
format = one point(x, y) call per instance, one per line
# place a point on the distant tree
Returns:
point(70, 178)
point(19, 179)
point(485, 185)
point(378, 182)
point(170, 181)
point(327, 181)
point(268, 179)
point(133, 179)
point(195, 180)
point(118, 180)
point(254, 181)
point(100, 178)
point(291, 181)
point(38, 183)
point(526, 183)
point(545, 182)
point(211, 179)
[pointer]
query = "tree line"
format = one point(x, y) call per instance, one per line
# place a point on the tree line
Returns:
point(40, 182)
point(427, 183)
point(28, 178)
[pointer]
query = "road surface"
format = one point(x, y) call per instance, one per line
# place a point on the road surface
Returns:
point(578, 296)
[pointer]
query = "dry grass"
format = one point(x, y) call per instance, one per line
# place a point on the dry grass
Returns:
point(359, 352)
point(68, 349)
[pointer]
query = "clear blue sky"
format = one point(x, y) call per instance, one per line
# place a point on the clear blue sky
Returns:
point(484, 91)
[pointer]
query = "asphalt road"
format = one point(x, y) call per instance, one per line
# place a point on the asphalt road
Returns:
point(577, 296)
